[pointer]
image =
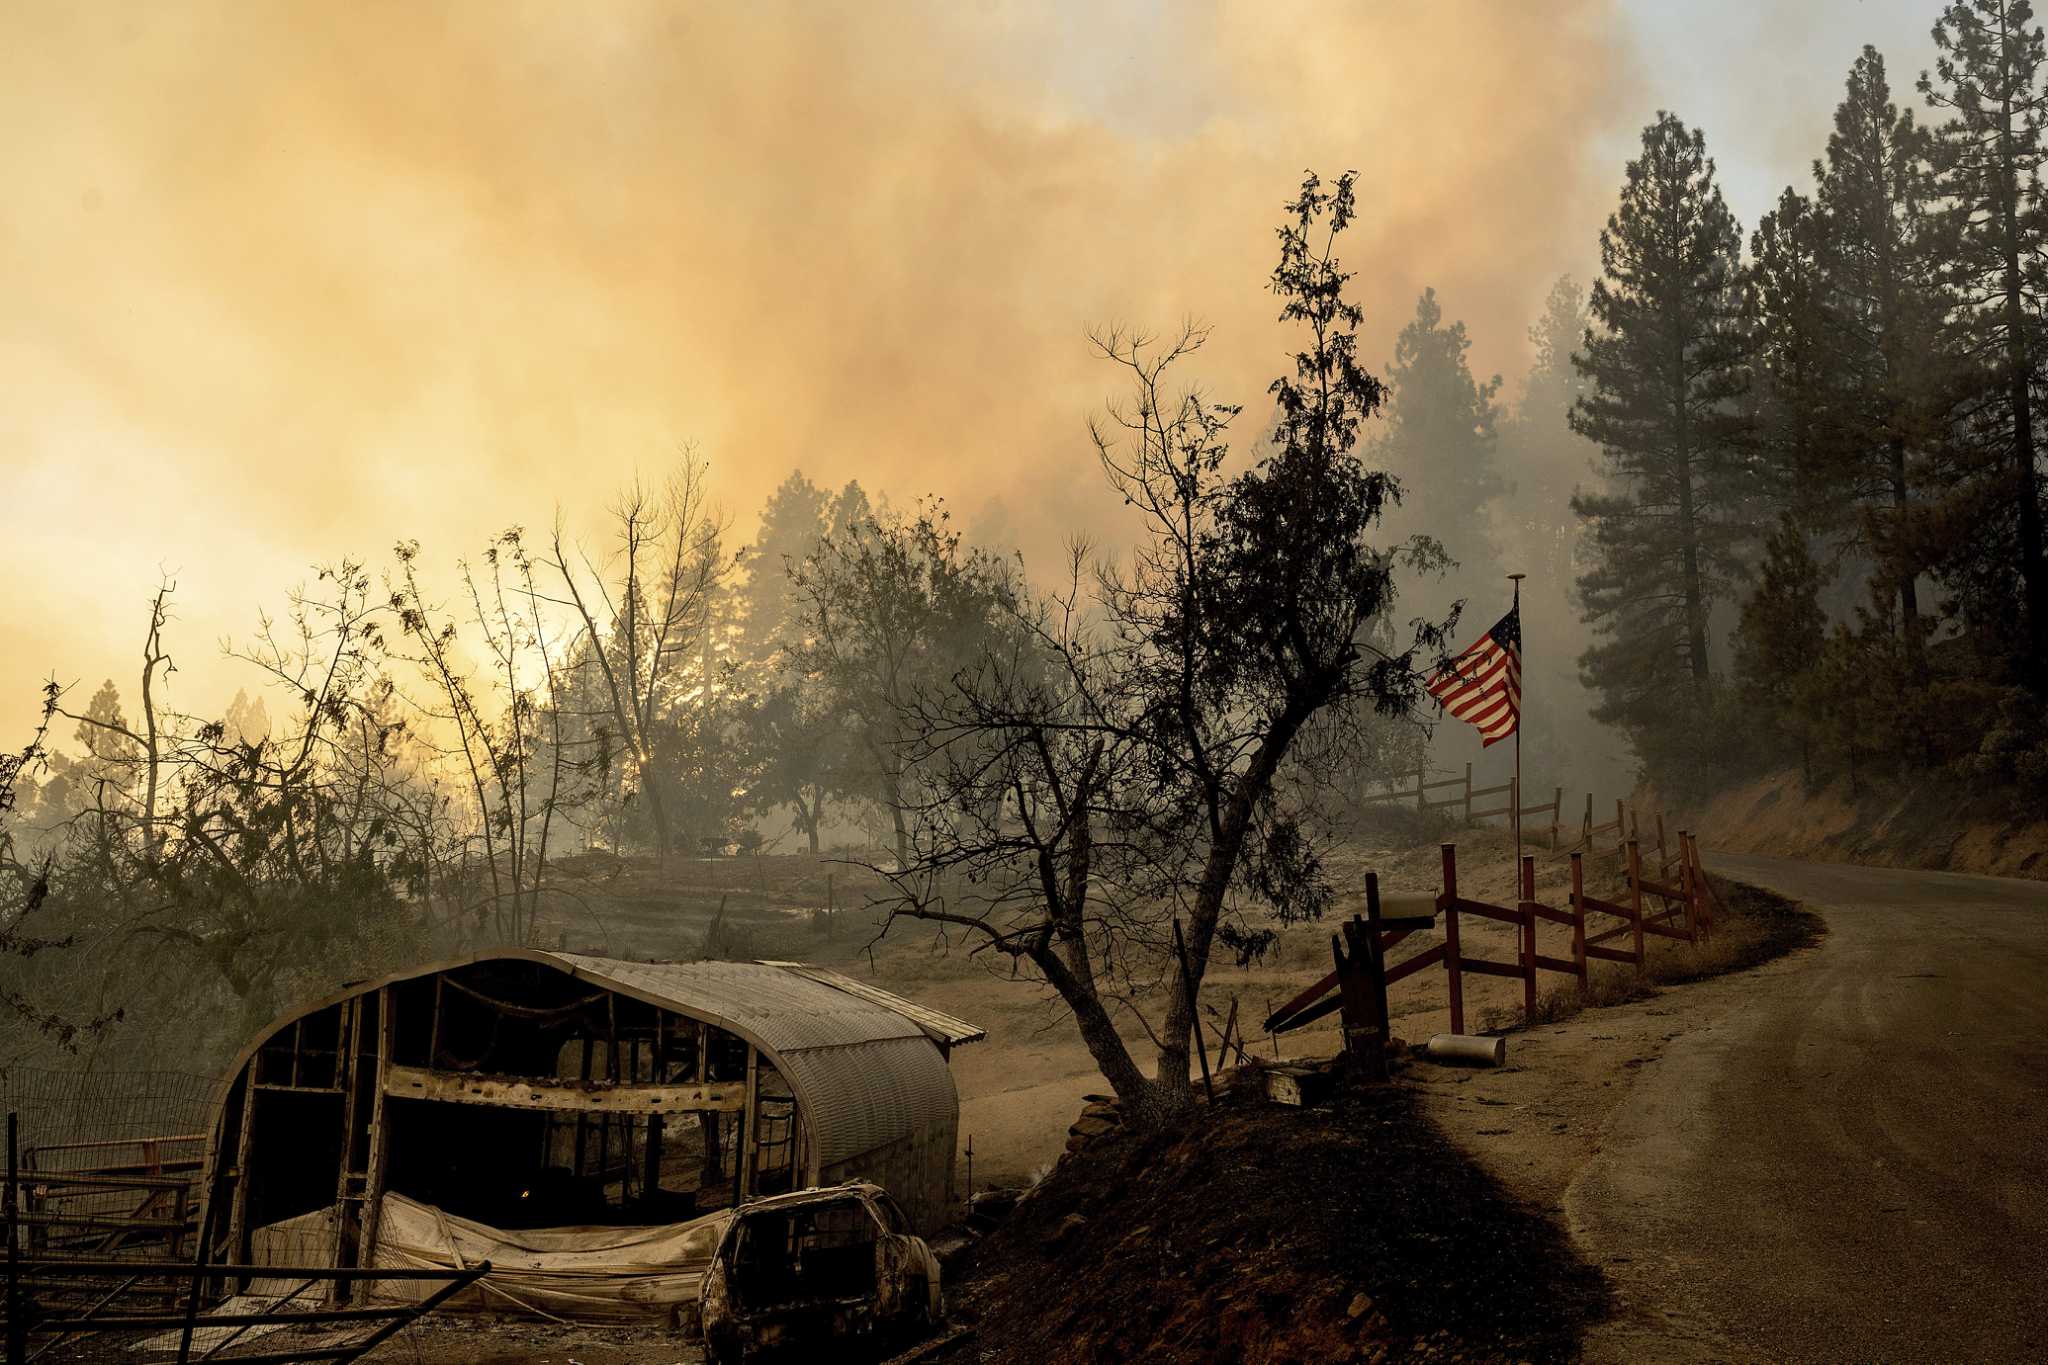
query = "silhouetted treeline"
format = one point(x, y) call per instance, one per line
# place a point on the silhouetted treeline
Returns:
point(1818, 537)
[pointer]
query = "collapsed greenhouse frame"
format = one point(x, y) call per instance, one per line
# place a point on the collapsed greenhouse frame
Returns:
point(527, 1088)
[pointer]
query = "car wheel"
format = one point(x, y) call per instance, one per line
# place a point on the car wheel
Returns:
point(917, 1320)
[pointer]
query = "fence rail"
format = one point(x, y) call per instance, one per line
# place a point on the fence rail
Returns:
point(69, 1299)
point(1682, 910)
point(1467, 798)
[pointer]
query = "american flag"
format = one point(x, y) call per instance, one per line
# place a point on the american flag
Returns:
point(1483, 686)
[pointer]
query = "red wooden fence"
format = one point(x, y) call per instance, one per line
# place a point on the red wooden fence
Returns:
point(1684, 911)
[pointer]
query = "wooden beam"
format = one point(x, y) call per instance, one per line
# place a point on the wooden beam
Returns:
point(1492, 912)
point(592, 1097)
point(1579, 916)
point(582, 1116)
point(380, 1138)
point(1664, 889)
point(1635, 888)
point(1452, 966)
point(750, 1119)
point(1419, 962)
point(238, 1209)
point(1528, 937)
point(347, 1220)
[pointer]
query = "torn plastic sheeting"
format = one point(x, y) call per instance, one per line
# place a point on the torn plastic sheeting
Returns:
point(574, 1274)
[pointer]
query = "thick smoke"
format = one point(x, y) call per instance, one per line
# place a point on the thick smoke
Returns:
point(292, 281)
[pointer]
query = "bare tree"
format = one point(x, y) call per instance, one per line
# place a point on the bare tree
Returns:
point(644, 609)
point(1132, 754)
point(516, 764)
point(149, 746)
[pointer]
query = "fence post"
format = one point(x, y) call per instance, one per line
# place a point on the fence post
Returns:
point(1451, 966)
point(1378, 961)
point(1586, 830)
point(1357, 989)
point(1579, 917)
point(1187, 981)
point(1528, 938)
point(1709, 898)
point(1635, 892)
point(1556, 816)
point(1620, 833)
point(1691, 888)
point(17, 1329)
point(1468, 796)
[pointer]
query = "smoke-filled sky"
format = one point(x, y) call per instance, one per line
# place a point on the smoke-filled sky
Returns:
point(288, 282)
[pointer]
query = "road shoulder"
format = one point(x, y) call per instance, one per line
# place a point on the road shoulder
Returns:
point(1557, 1127)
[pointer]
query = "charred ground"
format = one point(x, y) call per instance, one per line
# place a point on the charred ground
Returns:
point(1259, 1233)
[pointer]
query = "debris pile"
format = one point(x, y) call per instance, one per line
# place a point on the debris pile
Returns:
point(1263, 1233)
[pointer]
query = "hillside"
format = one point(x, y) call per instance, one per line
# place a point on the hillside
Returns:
point(1931, 826)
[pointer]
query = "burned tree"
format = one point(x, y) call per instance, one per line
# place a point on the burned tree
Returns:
point(1146, 747)
point(643, 616)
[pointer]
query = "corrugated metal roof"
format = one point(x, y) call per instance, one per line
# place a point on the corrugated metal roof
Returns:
point(865, 1072)
point(862, 1063)
point(940, 1028)
point(780, 1009)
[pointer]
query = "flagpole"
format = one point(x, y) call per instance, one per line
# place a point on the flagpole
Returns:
point(1515, 798)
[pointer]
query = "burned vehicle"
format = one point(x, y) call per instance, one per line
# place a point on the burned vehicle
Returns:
point(837, 1265)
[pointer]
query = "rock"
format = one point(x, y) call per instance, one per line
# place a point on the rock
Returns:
point(1361, 1304)
point(993, 1205)
point(1091, 1126)
point(1065, 1229)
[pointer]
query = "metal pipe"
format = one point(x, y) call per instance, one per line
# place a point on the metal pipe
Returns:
point(1464, 1049)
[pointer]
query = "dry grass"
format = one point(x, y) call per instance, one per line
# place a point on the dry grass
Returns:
point(1757, 927)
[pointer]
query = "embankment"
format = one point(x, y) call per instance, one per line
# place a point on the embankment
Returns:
point(1936, 827)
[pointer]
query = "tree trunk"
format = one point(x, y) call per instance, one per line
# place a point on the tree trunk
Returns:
point(657, 812)
point(1688, 528)
point(1909, 592)
point(2019, 362)
point(1144, 1100)
point(1174, 1085)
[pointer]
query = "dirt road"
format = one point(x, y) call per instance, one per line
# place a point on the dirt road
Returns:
point(1846, 1158)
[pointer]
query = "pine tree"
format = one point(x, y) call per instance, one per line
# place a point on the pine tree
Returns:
point(1882, 316)
point(1543, 460)
point(1440, 439)
point(1551, 389)
point(1793, 399)
point(1665, 367)
point(792, 524)
point(247, 720)
point(1778, 645)
point(1988, 159)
